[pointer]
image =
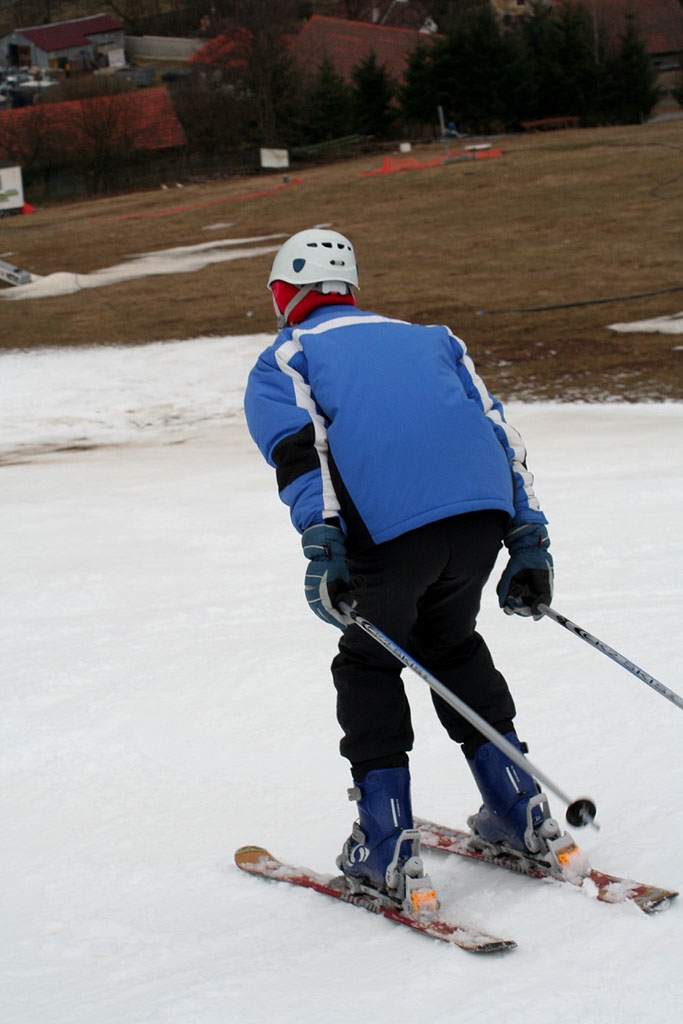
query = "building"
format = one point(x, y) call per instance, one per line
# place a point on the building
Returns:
point(660, 23)
point(83, 44)
point(132, 121)
point(396, 13)
point(347, 43)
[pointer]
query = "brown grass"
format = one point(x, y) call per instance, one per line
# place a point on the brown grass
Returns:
point(564, 218)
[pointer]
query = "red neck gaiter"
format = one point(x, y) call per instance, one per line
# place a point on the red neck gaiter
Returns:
point(284, 292)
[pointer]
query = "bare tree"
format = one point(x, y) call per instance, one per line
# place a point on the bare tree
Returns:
point(133, 12)
point(263, 26)
point(28, 138)
point(98, 135)
point(354, 8)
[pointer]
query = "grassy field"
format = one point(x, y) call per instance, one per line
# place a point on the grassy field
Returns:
point(562, 219)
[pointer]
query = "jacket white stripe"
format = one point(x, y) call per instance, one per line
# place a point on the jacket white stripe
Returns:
point(512, 436)
point(304, 400)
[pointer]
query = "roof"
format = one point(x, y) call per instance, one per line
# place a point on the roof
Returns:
point(386, 12)
point(230, 49)
point(141, 120)
point(347, 43)
point(660, 23)
point(63, 35)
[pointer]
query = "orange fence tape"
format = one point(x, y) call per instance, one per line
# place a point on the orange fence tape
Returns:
point(392, 164)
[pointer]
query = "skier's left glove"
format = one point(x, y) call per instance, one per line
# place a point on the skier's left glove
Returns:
point(528, 577)
point(327, 576)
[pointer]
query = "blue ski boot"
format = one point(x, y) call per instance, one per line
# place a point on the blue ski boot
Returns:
point(515, 815)
point(381, 857)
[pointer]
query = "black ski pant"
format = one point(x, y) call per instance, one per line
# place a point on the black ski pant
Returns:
point(423, 589)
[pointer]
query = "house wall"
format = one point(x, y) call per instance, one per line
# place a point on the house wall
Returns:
point(161, 47)
point(18, 49)
point(14, 43)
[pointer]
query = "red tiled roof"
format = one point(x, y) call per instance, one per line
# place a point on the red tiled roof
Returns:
point(66, 34)
point(660, 22)
point(347, 43)
point(387, 12)
point(141, 120)
point(230, 49)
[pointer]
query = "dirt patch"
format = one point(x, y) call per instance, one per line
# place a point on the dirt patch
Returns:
point(557, 221)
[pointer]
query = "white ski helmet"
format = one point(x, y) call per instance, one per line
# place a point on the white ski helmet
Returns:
point(314, 257)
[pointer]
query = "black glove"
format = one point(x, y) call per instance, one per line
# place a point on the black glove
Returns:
point(528, 577)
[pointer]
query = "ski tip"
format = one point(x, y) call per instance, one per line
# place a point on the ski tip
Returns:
point(249, 856)
point(493, 946)
point(654, 902)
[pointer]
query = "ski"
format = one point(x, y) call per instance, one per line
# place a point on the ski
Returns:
point(610, 888)
point(257, 861)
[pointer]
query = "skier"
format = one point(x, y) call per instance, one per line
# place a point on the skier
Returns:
point(404, 479)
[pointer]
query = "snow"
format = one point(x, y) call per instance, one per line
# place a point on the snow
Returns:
point(166, 698)
point(180, 259)
point(657, 325)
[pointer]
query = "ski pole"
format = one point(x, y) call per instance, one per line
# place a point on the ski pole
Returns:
point(579, 812)
point(611, 653)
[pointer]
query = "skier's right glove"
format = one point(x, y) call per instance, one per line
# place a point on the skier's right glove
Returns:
point(327, 576)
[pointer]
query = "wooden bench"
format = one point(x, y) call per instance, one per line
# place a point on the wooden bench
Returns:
point(545, 124)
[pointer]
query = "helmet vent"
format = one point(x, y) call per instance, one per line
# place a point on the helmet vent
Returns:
point(326, 245)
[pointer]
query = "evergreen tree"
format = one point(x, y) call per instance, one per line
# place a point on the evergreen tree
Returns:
point(632, 90)
point(472, 74)
point(540, 35)
point(327, 114)
point(580, 75)
point(372, 94)
point(418, 94)
point(516, 84)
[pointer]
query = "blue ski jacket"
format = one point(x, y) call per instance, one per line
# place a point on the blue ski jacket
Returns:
point(382, 426)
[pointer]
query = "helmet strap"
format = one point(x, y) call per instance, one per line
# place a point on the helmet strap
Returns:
point(283, 317)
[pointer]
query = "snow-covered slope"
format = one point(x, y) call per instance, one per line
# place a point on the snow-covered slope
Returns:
point(166, 698)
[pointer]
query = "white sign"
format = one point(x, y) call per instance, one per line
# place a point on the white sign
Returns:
point(116, 58)
point(274, 158)
point(11, 188)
